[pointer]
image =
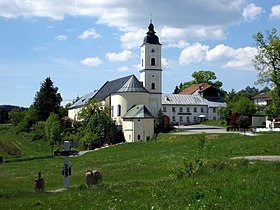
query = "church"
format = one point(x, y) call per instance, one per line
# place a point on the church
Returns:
point(136, 104)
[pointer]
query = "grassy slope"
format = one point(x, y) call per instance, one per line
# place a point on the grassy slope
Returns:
point(27, 147)
point(139, 176)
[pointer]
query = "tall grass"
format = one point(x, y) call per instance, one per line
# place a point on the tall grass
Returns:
point(141, 176)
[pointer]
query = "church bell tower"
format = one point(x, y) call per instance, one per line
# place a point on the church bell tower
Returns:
point(150, 69)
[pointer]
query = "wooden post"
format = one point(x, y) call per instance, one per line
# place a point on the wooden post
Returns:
point(66, 164)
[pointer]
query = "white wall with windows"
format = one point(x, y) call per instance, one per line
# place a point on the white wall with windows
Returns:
point(136, 130)
point(122, 102)
point(185, 114)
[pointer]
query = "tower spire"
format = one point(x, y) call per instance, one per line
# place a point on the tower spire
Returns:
point(151, 37)
point(151, 18)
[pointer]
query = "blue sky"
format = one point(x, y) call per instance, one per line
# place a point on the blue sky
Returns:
point(82, 44)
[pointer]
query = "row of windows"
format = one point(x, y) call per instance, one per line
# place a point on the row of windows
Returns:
point(183, 119)
point(188, 109)
point(139, 137)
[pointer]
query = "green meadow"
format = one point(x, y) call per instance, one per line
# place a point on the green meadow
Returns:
point(169, 172)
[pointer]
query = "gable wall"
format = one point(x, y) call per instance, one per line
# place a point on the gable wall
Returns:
point(132, 128)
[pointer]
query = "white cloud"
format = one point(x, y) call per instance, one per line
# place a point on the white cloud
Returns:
point(275, 11)
point(123, 68)
point(193, 53)
point(89, 33)
point(192, 32)
point(61, 37)
point(230, 57)
point(137, 67)
point(204, 19)
point(132, 39)
point(179, 44)
point(166, 64)
point(251, 11)
point(241, 58)
point(172, 33)
point(122, 56)
point(223, 55)
point(218, 52)
point(91, 61)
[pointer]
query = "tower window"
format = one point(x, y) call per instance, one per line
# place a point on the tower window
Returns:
point(153, 86)
point(153, 61)
point(119, 110)
point(142, 61)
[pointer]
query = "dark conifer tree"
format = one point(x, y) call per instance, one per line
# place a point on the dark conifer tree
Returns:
point(47, 100)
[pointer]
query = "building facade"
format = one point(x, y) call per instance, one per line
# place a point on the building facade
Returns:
point(189, 109)
point(136, 104)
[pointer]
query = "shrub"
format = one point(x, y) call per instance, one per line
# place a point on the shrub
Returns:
point(243, 121)
point(233, 119)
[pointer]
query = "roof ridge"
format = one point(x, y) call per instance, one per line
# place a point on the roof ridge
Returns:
point(138, 111)
point(132, 85)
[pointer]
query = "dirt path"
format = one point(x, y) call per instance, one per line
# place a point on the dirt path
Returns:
point(265, 158)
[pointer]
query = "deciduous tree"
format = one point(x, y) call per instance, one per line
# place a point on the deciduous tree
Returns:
point(267, 59)
point(244, 106)
point(267, 62)
point(53, 128)
point(202, 76)
point(98, 127)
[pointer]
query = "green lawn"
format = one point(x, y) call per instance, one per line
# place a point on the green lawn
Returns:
point(221, 123)
point(144, 176)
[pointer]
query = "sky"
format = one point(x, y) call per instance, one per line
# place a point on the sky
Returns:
point(82, 44)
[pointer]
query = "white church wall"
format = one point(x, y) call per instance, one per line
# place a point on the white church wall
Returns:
point(126, 101)
point(128, 130)
point(138, 129)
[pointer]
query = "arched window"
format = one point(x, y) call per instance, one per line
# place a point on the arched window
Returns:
point(153, 86)
point(142, 62)
point(153, 61)
point(119, 110)
point(112, 111)
point(138, 137)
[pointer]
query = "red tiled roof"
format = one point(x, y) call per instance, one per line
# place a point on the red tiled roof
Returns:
point(191, 89)
point(263, 96)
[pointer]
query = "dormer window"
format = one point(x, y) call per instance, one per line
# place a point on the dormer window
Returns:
point(153, 61)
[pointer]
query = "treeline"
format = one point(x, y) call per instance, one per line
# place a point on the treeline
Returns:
point(47, 119)
point(4, 112)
